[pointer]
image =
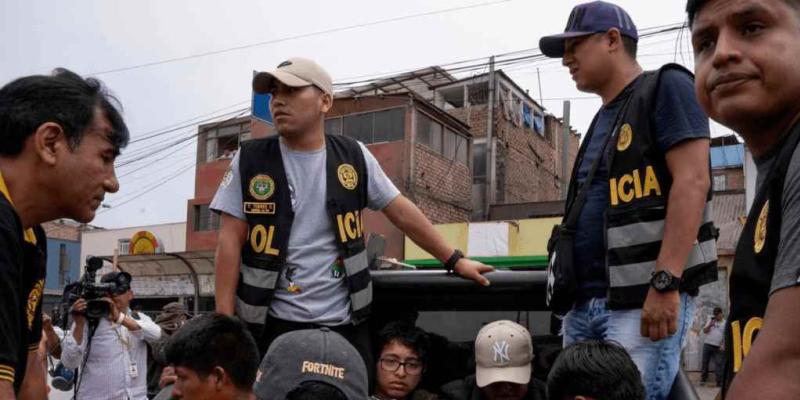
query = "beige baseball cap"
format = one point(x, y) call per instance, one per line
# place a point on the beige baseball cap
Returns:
point(503, 353)
point(294, 72)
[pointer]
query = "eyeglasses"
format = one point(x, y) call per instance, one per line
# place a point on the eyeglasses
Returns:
point(412, 366)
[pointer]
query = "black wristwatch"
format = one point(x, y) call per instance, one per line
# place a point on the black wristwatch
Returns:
point(451, 262)
point(664, 281)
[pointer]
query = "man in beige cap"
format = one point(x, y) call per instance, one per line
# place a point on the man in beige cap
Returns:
point(503, 356)
point(291, 250)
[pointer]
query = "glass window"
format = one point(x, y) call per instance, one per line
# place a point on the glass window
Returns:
point(333, 126)
point(479, 159)
point(436, 136)
point(211, 149)
point(123, 246)
point(205, 219)
point(358, 127)
point(423, 129)
point(462, 145)
point(389, 125)
point(450, 140)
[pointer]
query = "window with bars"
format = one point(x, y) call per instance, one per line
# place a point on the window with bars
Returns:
point(123, 246)
point(205, 219)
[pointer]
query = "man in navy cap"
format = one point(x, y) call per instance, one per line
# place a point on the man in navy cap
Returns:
point(643, 241)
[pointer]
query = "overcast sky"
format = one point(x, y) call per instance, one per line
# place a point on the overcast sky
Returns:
point(93, 36)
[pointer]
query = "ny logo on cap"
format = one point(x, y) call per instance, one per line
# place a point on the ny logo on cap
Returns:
point(285, 64)
point(501, 352)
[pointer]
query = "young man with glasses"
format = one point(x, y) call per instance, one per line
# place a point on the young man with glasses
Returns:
point(401, 363)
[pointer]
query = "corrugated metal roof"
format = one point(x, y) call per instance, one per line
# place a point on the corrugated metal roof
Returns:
point(727, 156)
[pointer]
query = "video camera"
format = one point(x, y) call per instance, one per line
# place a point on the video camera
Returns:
point(92, 291)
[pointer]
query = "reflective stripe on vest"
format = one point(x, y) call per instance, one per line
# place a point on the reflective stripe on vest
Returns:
point(262, 278)
point(630, 242)
point(358, 281)
point(250, 313)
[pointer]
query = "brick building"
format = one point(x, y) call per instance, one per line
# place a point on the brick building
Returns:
point(423, 150)
point(528, 142)
point(423, 141)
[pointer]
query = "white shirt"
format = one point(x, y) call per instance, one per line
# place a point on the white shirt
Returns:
point(107, 375)
point(716, 335)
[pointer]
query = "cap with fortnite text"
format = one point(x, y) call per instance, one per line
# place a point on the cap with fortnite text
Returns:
point(311, 355)
point(587, 19)
point(294, 72)
point(503, 353)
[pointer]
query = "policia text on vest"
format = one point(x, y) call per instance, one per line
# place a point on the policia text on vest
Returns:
point(265, 187)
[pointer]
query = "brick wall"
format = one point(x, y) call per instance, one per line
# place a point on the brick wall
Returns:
point(528, 165)
point(734, 177)
point(442, 188)
point(57, 230)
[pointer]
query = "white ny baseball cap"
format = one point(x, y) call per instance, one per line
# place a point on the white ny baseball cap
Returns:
point(503, 353)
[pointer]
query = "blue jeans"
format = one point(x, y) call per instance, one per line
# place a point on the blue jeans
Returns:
point(657, 361)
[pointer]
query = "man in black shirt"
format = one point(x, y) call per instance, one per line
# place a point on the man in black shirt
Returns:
point(59, 137)
point(748, 79)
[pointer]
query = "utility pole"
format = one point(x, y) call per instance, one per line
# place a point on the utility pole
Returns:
point(490, 150)
point(539, 77)
point(565, 152)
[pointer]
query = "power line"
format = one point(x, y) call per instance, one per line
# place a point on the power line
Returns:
point(301, 36)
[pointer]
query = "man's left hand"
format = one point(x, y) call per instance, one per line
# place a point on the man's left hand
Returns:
point(474, 270)
point(113, 310)
point(660, 314)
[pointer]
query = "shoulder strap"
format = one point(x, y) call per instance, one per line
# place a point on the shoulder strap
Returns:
point(571, 217)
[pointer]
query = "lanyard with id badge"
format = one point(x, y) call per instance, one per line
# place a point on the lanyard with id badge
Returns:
point(125, 339)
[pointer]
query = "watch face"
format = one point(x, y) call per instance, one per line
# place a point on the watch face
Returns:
point(661, 280)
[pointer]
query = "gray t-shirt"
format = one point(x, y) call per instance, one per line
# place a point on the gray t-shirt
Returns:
point(311, 287)
point(787, 263)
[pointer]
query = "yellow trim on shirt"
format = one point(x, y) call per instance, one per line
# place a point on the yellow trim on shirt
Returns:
point(30, 237)
point(6, 373)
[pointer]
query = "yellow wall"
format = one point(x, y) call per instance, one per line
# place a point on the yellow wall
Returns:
point(527, 237)
point(455, 234)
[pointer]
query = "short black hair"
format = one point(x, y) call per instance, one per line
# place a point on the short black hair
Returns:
point(406, 334)
point(213, 340)
point(693, 7)
point(717, 310)
point(316, 390)
point(631, 46)
point(599, 369)
point(64, 98)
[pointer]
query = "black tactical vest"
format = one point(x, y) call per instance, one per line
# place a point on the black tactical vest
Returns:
point(267, 206)
point(639, 184)
point(754, 264)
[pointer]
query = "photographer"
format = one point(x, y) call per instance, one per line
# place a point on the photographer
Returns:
point(110, 351)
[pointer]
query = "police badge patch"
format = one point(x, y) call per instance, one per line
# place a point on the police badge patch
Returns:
point(262, 187)
point(760, 235)
point(625, 137)
point(347, 176)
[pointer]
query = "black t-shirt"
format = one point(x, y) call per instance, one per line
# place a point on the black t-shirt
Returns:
point(22, 275)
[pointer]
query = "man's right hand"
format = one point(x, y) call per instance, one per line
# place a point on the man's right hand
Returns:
point(78, 310)
point(168, 377)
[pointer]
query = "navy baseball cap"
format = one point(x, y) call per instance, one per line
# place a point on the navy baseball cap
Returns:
point(587, 19)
